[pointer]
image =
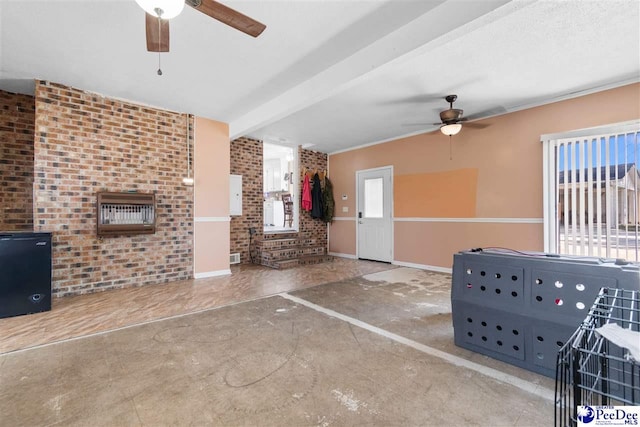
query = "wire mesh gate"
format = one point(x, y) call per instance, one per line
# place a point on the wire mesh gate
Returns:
point(592, 371)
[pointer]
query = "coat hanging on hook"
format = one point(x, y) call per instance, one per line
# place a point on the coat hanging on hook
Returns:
point(306, 194)
point(328, 201)
point(317, 209)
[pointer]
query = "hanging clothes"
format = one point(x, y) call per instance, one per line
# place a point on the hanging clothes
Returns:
point(328, 202)
point(316, 198)
point(306, 193)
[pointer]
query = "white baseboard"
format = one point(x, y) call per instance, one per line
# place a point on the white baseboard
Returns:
point(401, 263)
point(423, 267)
point(212, 274)
point(339, 255)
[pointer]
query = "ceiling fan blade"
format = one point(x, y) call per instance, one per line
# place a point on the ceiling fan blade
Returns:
point(415, 99)
point(157, 36)
point(487, 113)
point(476, 125)
point(228, 16)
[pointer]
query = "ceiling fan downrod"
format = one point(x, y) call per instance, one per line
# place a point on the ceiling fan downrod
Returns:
point(451, 99)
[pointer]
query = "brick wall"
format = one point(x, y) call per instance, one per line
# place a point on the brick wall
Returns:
point(314, 228)
point(246, 160)
point(17, 115)
point(85, 143)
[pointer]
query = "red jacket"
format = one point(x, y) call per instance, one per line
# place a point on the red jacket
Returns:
point(306, 194)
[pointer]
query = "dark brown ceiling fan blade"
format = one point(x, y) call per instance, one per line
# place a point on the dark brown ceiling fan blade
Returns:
point(228, 16)
point(415, 124)
point(476, 125)
point(157, 38)
point(496, 111)
point(415, 99)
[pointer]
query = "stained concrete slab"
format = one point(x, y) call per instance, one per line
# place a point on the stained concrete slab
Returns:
point(264, 362)
point(413, 303)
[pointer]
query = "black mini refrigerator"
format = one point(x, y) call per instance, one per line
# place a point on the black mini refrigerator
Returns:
point(25, 273)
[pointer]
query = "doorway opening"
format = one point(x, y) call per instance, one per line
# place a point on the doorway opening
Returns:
point(280, 189)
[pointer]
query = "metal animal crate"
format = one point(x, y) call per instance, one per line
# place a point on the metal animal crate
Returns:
point(593, 371)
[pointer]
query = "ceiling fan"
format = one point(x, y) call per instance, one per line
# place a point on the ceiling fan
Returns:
point(451, 119)
point(158, 13)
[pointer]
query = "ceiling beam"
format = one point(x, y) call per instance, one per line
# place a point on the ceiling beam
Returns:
point(449, 20)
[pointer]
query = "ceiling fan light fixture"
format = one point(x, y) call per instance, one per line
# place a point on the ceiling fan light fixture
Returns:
point(451, 129)
point(165, 9)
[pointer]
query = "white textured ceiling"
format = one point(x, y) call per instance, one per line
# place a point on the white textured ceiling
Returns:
point(329, 74)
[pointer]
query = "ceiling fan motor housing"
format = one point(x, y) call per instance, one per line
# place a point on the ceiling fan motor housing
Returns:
point(451, 115)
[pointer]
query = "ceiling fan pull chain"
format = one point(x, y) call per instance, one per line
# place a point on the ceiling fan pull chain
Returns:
point(450, 155)
point(159, 38)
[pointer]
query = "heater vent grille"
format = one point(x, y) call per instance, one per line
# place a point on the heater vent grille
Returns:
point(234, 258)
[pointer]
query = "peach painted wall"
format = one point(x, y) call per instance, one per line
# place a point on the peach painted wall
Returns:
point(342, 236)
point(442, 194)
point(496, 172)
point(211, 197)
point(434, 243)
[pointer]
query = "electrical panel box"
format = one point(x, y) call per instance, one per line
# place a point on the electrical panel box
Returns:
point(235, 195)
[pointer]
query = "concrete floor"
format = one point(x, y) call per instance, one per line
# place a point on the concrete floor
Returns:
point(370, 350)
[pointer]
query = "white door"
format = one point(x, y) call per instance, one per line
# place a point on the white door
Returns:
point(374, 228)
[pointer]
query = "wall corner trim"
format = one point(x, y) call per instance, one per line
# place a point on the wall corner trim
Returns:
point(423, 266)
point(212, 274)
